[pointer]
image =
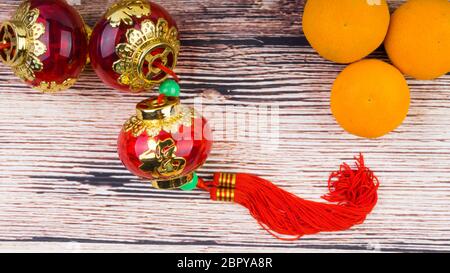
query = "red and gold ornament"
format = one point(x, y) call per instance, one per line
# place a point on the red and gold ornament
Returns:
point(166, 142)
point(45, 44)
point(134, 45)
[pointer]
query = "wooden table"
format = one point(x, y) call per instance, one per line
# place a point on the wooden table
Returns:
point(63, 188)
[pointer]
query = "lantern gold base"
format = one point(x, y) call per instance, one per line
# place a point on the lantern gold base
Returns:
point(172, 183)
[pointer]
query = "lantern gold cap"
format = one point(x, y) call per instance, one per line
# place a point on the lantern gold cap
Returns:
point(159, 114)
point(157, 108)
point(152, 44)
point(14, 34)
point(24, 49)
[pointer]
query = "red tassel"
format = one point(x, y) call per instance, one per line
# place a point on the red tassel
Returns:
point(353, 192)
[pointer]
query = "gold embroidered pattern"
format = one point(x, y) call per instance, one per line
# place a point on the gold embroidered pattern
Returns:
point(137, 57)
point(160, 159)
point(124, 10)
point(183, 116)
point(23, 33)
point(53, 87)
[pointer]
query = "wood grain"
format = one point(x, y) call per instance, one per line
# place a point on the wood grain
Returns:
point(62, 187)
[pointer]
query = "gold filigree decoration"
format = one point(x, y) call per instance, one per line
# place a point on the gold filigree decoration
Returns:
point(160, 159)
point(183, 116)
point(124, 10)
point(53, 87)
point(136, 56)
point(26, 48)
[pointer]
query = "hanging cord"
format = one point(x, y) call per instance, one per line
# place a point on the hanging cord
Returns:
point(167, 70)
point(4, 45)
point(352, 196)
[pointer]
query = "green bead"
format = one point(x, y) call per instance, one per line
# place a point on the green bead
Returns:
point(191, 184)
point(170, 88)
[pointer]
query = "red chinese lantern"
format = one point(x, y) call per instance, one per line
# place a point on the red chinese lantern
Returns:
point(165, 142)
point(45, 44)
point(134, 45)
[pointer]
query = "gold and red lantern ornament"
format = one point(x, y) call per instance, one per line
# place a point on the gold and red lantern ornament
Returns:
point(135, 47)
point(45, 44)
point(166, 142)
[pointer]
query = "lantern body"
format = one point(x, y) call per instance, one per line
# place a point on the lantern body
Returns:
point(164, 144)
point(48, 44)
point(127, 41)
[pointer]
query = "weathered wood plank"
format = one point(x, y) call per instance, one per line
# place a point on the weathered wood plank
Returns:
point(62, 187)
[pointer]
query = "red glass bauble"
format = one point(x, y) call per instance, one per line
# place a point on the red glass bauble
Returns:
point(165, 142)
point(47, 44)
point(127, 42)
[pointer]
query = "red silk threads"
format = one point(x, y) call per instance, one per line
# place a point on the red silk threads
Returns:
point(352, 196)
